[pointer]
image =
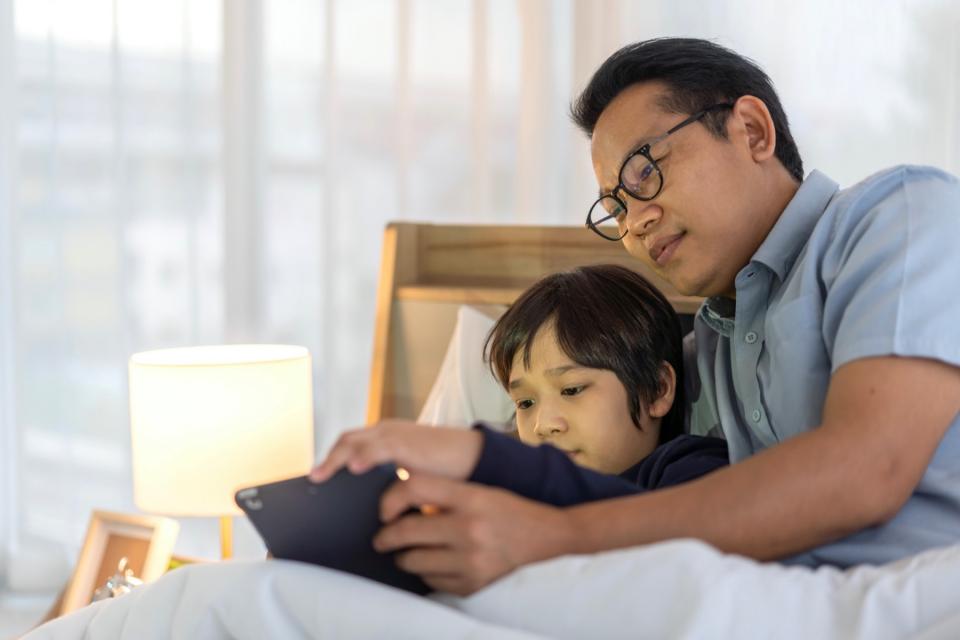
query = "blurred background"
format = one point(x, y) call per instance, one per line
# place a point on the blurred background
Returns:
point(207, 171)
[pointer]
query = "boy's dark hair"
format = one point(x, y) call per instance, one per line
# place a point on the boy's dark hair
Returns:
point(606, 317)
point(698, 74)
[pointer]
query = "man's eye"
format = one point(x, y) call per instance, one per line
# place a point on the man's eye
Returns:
point(523, 404)
point(572, 391)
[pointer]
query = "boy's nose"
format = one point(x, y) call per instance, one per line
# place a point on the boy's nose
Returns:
point(549, 424)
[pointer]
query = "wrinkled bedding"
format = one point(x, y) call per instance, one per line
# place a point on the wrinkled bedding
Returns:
point(677, 589)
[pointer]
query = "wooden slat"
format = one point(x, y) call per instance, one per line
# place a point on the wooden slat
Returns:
point(462, 295)
point(397, 264)
point(518, 255)
point(505, 295)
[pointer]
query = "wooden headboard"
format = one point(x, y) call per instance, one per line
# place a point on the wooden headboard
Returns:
point(429, 270)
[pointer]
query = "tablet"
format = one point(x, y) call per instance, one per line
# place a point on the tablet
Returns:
point(331, 524)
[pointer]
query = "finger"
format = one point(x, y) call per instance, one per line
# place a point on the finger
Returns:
point(416, 530)
point(430, 562)
point(457, 585)
point(336, 458)
point(435, 492)
point(347, 448)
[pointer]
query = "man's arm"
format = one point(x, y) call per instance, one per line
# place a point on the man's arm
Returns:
point(883, 420)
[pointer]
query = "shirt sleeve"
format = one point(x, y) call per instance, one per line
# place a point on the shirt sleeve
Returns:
point(542, 473)
point(891, 273)
point(548, 475)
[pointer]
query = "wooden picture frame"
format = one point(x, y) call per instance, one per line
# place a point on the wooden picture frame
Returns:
point(146, 541)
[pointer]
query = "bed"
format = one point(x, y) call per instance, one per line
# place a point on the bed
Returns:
point(676, 589)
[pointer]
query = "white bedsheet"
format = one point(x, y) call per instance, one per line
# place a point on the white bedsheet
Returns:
point(680, 589)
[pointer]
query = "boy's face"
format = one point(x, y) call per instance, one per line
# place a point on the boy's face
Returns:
point(708, 220)
point(580, 410)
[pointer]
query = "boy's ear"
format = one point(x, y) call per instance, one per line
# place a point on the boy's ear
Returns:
point(668, 389)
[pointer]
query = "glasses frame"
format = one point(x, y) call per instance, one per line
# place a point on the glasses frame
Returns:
point(644, 151)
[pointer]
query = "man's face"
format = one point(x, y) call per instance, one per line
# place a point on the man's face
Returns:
point(704, 226)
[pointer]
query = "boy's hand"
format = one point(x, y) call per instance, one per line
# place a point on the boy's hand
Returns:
point(444, 451)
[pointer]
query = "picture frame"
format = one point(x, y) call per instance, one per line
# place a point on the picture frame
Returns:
point(146, 541)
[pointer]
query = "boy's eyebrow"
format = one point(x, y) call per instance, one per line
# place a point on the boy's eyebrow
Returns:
point(554, 372)
point(559, 371)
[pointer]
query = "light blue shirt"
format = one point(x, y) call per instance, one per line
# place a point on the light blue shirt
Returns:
point(873, 270)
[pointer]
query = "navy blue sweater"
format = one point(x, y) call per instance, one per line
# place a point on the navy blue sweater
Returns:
point(547, 474)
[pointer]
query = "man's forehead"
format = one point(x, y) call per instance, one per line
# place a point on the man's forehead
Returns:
point(632, 118)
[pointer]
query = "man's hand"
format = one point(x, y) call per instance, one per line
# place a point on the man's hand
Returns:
point(476, 535)
point(444, 451)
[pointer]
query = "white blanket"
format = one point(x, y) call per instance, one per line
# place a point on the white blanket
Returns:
point(680, 589)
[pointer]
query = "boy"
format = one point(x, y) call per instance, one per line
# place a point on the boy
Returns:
point(592, 358)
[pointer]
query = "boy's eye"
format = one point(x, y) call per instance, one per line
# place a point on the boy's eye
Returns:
point(572, 391)
point(523, 404)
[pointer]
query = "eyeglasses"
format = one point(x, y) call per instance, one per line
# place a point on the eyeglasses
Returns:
point(640, 178)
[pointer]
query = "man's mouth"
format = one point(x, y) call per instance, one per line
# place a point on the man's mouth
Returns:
point(663, 249)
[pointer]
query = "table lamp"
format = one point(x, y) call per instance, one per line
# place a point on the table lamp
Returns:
point(206, 421)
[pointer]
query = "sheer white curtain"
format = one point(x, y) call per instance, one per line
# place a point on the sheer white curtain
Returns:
point(866, 83)
point(221, 170)
point(113, 242)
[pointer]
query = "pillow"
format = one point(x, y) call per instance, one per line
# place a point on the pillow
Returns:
point(465, 390)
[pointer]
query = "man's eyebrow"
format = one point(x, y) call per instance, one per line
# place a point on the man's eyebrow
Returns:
point(636, 145)
point(630, 151)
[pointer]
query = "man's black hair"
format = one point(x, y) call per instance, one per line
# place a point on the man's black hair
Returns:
point(698, 74)
point(605, 317)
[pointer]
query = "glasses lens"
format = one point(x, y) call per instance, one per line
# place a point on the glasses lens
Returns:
point(607, 217)
point(641, 178)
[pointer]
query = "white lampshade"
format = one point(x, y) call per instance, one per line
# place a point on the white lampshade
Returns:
point(206, 421)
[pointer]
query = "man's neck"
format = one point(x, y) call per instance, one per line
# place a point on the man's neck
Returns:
point(783, 187)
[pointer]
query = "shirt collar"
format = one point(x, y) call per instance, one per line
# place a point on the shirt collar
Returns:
point(782, 245)
point(789, 235)
point(718, 312)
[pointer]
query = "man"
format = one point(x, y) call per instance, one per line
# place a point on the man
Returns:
point(828, 351)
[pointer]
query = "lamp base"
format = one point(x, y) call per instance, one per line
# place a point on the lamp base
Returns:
point(226, 537)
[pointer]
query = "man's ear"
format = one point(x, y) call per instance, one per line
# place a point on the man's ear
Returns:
point(751, 122)
point(668, 391)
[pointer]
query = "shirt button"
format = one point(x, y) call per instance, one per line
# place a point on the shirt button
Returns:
point(756, 415)
point(751, 337)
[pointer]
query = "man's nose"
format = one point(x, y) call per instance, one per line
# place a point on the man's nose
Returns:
point(641, 216)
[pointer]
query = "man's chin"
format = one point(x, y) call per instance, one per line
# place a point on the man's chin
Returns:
point(684, 285)
point(701, 286)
